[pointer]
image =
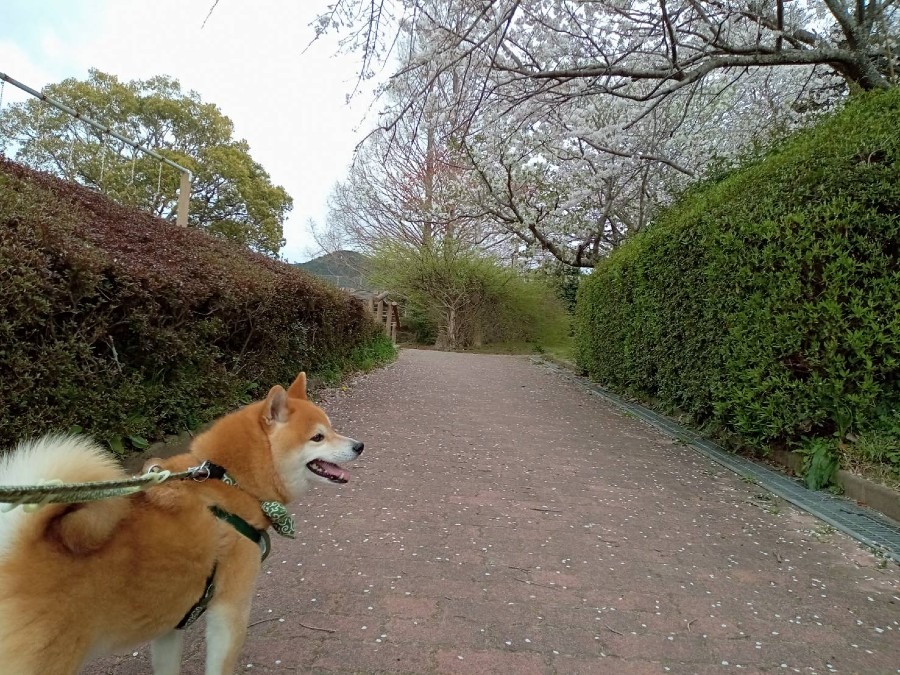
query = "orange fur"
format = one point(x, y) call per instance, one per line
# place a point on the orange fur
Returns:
point(79, 581)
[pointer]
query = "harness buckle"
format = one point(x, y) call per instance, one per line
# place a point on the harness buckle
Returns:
point(202, 472)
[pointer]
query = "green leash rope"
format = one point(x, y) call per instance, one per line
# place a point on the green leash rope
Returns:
point(31, 497)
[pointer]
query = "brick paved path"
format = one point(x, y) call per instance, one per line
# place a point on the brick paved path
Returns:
point(503, 520)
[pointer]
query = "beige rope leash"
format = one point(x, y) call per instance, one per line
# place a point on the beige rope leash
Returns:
point(31, 497)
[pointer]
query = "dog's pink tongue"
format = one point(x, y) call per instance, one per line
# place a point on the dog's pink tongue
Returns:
point(332, 471)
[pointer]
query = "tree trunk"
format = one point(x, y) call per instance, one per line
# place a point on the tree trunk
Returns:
point(478, 335)
point(440, 342)
point(452, 329)
point(428, 225)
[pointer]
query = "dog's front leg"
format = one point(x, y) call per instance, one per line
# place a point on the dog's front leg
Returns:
point(226, 628)
point(165, 652)
point(229, 611)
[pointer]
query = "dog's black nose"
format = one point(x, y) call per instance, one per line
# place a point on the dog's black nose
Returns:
point(358, 447)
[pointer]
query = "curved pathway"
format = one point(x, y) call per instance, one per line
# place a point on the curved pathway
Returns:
point(504, 520)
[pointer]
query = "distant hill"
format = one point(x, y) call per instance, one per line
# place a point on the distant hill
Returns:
point(344, 269)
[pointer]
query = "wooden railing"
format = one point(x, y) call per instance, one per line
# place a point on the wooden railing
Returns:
point(386, 313)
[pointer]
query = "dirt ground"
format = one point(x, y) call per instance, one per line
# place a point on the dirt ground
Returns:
point(504, 520)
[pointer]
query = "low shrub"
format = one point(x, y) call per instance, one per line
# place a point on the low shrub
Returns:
point(764, 303)
point(461, 298)
point(128, 327)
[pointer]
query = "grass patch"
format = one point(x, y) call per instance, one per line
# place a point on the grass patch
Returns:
point(562, 349)
point(876, 456)
point(365, 357)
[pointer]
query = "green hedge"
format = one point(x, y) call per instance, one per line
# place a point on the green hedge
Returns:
point(130, 327)
point(766, 303)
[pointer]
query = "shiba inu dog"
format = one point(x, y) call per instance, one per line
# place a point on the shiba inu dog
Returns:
point(78, 581)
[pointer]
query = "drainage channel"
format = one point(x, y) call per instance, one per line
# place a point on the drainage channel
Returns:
point(861, 523)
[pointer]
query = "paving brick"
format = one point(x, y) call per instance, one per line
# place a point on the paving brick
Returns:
point(407, 607)
point(491, 662)
point(498, 503)
point(369, 657)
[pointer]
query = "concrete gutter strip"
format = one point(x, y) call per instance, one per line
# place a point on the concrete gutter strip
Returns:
point(875, 496)
point(879, 497)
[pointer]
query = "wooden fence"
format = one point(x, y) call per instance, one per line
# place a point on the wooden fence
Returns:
point(385, 312)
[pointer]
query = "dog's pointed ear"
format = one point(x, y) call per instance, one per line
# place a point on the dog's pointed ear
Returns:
point(298, 388)
point(275, 407)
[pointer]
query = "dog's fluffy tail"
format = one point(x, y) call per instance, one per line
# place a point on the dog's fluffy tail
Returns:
point(81, 528)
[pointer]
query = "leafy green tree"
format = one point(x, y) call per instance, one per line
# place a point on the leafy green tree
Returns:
point(466, 298)
point(563, 279)
point(231, 196)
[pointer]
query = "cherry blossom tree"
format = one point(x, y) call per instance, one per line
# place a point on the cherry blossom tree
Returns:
point(563, 48)
point(568, 124)
point(410, 183)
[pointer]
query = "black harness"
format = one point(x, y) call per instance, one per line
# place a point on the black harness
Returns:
point(257, 536)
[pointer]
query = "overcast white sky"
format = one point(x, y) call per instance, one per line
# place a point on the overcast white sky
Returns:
point(248, 59)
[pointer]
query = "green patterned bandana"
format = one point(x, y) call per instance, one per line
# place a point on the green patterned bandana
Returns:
point(276, 512)
point(281, 520)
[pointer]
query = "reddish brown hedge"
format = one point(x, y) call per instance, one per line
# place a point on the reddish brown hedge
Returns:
point(127, 325)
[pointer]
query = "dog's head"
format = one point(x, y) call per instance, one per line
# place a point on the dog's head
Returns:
point(305, 447)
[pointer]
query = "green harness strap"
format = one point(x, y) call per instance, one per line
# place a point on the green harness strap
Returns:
point(274, 511)
point(258, 537)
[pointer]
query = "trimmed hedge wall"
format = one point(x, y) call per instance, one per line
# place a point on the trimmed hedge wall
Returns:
point(766, 303)
point(127, 326)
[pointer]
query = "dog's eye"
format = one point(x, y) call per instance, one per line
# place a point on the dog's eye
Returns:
point(318, 438)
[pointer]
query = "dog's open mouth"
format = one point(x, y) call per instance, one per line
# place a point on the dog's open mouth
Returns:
point(332, 472)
